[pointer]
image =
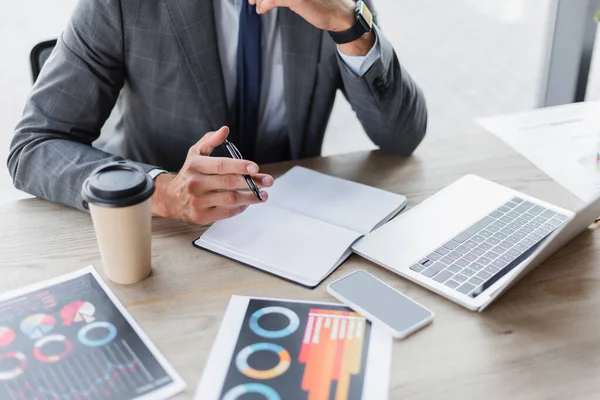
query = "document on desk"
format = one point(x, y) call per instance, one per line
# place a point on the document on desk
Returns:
point(285, 349)
point(306, 228)
point(70, 338)
point(561, 141)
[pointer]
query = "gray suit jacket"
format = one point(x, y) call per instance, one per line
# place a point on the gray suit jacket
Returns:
point(158, 60)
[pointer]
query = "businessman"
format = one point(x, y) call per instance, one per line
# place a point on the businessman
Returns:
point(187, 74)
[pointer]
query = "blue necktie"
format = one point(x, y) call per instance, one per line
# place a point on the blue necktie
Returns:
point(248, 78)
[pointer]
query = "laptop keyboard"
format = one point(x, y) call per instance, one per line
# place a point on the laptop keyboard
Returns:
point(485, 250)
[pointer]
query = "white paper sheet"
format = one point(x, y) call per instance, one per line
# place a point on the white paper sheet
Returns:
point(305, 336)
point(561, 141)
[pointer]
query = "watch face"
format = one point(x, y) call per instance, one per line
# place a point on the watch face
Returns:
point(365, 14)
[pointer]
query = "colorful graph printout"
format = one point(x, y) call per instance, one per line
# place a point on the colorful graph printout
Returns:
point(70, 339)
point(279, 350)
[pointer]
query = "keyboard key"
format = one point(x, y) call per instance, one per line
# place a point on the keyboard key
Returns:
point(461, 263)
point(561, 217)
point(528, 242)
point(492, 255)
point(514, 252)
point(476, 281)
point(491, 269)
point(534, 224)
point(460, 278)
point(466, 234)
point(496, 214)
point(506, 219)
point(452, 284)
point(536, 236)
point(512, 215)
point(499, 249)
point(478, 252)
point(519, 235)
point(446, 260)
point(426, 263)
point(484, 260)
point(470, 257)
point(476, 266)
point(514, 226)
point(526, 229)
point(507, 231)
point(492, 228)
point(548, 214)
point(554, 222)
point(468, 272)
point(466, 288)
point(463, 249)
point(500, 236)
point(455, 254)
point(451, 245)
point(521, 247)
point(493, 241)
point(443, 276)
point(527, 216)
point(499, 264)
point(520, 221)
point(454, 268)
point(517, 200)
point(484, 275)
point(504, 209)
point(499, 224)
point(485, 246)
point(433, 270)
point(540, 220)
point(524, 206)
point(442, 251)
point(470, 244)
point(417, 268)
point(536, 210)
point(506, 257)
point(478, 238)
point(434, 256)
point(510, 204)
point(506, 245)
point(486, 234)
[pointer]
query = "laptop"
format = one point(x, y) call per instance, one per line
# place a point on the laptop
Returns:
point(473, 240)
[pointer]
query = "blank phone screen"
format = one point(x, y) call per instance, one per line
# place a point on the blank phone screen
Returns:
point(381, 301)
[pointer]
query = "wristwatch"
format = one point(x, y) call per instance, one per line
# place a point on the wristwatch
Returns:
point(156, 172)
point(363, 24)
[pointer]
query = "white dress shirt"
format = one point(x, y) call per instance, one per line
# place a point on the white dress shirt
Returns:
point(272, 122)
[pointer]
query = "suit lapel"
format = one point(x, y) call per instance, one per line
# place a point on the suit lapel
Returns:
point(301, 49)
point(194, 25)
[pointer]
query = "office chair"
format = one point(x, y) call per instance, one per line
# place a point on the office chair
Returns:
point(39, 55)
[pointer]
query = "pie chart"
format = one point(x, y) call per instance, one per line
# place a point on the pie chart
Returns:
point(79, 311)
point(37, 325)
point(7, 335)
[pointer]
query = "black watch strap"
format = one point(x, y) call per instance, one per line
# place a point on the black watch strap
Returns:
point(362, 25)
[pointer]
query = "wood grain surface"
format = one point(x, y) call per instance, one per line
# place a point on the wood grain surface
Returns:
point(541, 340)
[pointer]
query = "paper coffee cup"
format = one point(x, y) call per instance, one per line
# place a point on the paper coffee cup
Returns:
point(119, 198)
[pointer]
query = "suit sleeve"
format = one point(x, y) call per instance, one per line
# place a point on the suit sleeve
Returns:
point(387, 102)
point(51, 154)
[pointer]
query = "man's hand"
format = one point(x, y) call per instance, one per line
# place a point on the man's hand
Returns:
point(328, 15)
point(207, 189)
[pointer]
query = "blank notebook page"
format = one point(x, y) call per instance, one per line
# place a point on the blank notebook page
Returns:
point(351, 205)
point(283, 240)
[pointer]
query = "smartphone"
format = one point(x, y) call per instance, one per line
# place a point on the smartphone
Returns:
point(379, 302)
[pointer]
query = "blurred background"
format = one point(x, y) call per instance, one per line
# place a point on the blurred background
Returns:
point(472, 58)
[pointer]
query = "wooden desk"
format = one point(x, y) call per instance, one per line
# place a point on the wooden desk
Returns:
point(540, 340)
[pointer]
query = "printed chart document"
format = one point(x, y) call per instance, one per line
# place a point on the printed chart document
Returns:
point(70, 338)
point(283, 349)
point(561, 141)
point(306, 228)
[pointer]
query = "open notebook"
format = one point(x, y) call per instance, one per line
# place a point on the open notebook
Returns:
point(306, 228)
